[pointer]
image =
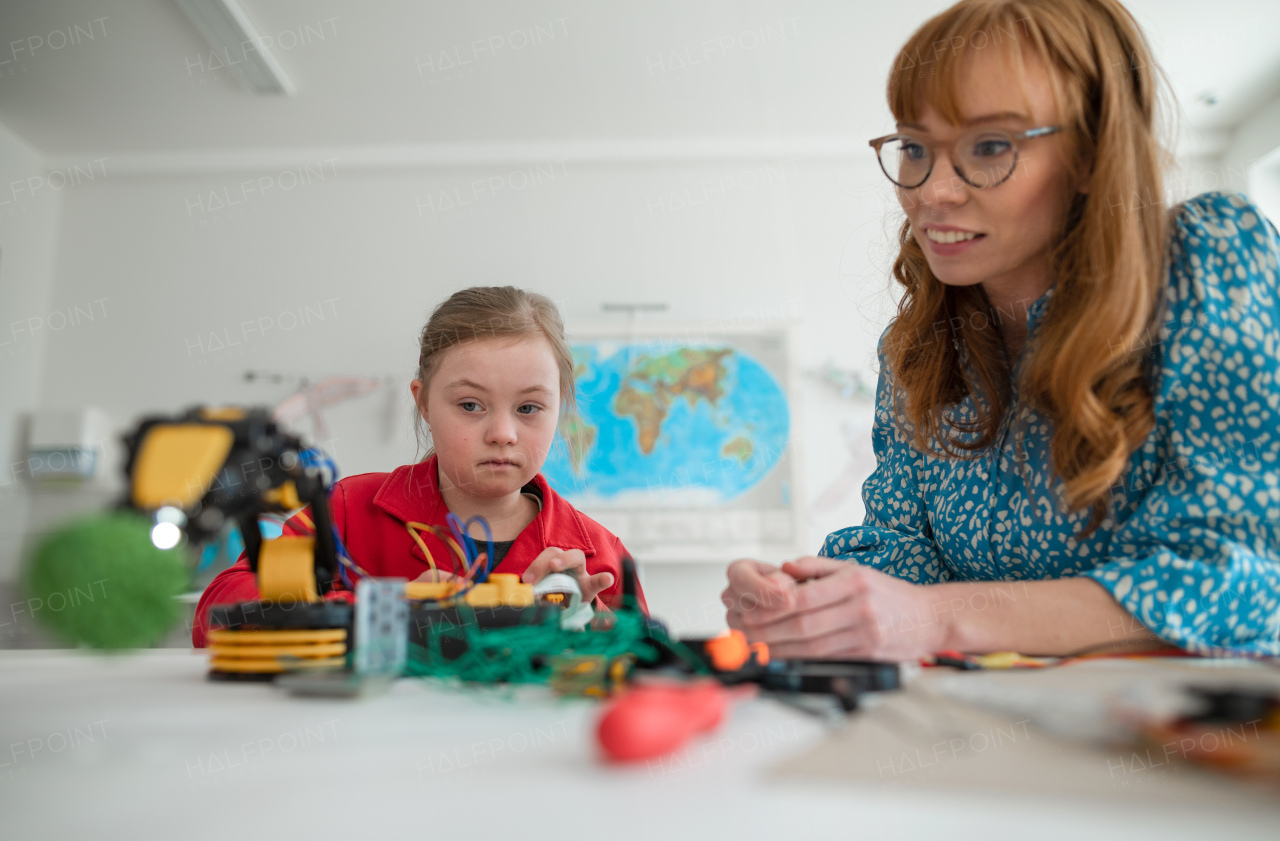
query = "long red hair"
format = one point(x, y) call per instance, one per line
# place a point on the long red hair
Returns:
point(1084, 368)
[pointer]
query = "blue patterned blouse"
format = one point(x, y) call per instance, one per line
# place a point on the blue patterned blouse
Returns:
point(1191, 546)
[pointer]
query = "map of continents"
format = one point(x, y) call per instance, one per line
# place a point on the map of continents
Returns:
point(668, 426)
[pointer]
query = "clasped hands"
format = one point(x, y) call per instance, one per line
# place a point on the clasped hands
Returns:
point(823, 608)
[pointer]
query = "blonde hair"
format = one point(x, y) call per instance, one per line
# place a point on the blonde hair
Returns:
point(486, 312)
point(1085, 368)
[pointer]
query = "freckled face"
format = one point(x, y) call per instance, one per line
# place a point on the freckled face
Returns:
point(493, 406)
point(1016, 223)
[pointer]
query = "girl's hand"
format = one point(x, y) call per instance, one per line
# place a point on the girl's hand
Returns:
point(571, 562)
point(823, 608)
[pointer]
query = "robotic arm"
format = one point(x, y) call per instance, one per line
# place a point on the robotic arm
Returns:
point(193, 472)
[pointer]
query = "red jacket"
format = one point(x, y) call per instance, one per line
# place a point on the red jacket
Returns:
point(370, 511)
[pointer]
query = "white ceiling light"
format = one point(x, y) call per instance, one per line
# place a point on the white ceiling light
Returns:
point(237, 43)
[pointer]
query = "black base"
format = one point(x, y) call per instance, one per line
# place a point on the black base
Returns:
point(428, 619)
point(282, 616)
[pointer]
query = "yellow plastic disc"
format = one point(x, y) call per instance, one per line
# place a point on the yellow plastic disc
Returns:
point(228, 637)
point(219, 664)
point(240, 652)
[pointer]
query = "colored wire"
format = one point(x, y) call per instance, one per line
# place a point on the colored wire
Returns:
point(444, 538)
point(461, 531)
point(314, 457)
point(343, 557)
point(343, 561)
point(488, 539)
point(431, 561)
point(473, 568)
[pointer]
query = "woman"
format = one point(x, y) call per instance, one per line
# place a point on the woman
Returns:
point(1078, 415)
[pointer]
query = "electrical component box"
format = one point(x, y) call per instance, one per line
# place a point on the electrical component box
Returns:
point(65, 445)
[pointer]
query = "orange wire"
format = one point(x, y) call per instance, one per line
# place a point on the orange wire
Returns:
point(443, 538)
point(431, 561)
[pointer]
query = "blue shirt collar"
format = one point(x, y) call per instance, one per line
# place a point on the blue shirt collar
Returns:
point(1035, 312)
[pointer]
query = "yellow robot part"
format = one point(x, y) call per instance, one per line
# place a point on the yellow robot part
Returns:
point(177, 462)
point(223, 636)
point(273, 651)
point(262, 652)
point(285, 496)
point(222, 413)
point(417, 590)
point(510, 589)
point(286, 569)
point(269, 665)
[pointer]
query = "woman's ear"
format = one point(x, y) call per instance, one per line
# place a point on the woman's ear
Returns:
point(416, 388)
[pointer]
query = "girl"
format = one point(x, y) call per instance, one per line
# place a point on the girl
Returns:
point(1081, 391)
point(493, 374)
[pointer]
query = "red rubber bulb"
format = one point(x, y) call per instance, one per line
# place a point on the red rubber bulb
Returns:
point(654, 720)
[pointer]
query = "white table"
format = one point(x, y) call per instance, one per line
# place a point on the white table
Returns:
point(142, 746)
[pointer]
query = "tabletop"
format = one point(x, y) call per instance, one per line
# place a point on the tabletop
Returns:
point(143, 746)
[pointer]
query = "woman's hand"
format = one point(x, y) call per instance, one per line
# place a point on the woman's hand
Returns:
point(823, 608)
point(571, 562)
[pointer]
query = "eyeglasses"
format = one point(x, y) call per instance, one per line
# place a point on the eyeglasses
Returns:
point(982, 157)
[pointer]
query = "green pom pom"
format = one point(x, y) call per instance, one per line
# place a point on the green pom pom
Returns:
point(100, 581)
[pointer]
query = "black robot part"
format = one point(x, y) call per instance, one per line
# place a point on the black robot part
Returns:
point(263, 456)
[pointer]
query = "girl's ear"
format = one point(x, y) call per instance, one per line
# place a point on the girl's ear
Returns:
point(419, 399)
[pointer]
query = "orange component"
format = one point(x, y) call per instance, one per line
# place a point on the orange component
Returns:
point(730, 652)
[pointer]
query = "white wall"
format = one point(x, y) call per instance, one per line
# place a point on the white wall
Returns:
point(1250, 162)
point(28, 227)
point(337, 275)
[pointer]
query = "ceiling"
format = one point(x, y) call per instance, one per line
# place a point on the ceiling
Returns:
point(409, 73)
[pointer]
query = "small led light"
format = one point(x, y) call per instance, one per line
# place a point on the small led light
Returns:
point(169, 514)
point(165, 535)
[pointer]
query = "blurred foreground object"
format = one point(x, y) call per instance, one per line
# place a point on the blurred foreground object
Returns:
point(1233, 729)
point(196, 473)
point(190, 477)
point(654, 720)
point(102, 582)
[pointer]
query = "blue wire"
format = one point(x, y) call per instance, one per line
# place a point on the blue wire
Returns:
point(460, 533)
point(314, 457)
point(459, 530)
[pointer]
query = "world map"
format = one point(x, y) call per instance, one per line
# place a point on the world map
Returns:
point(668, 425)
